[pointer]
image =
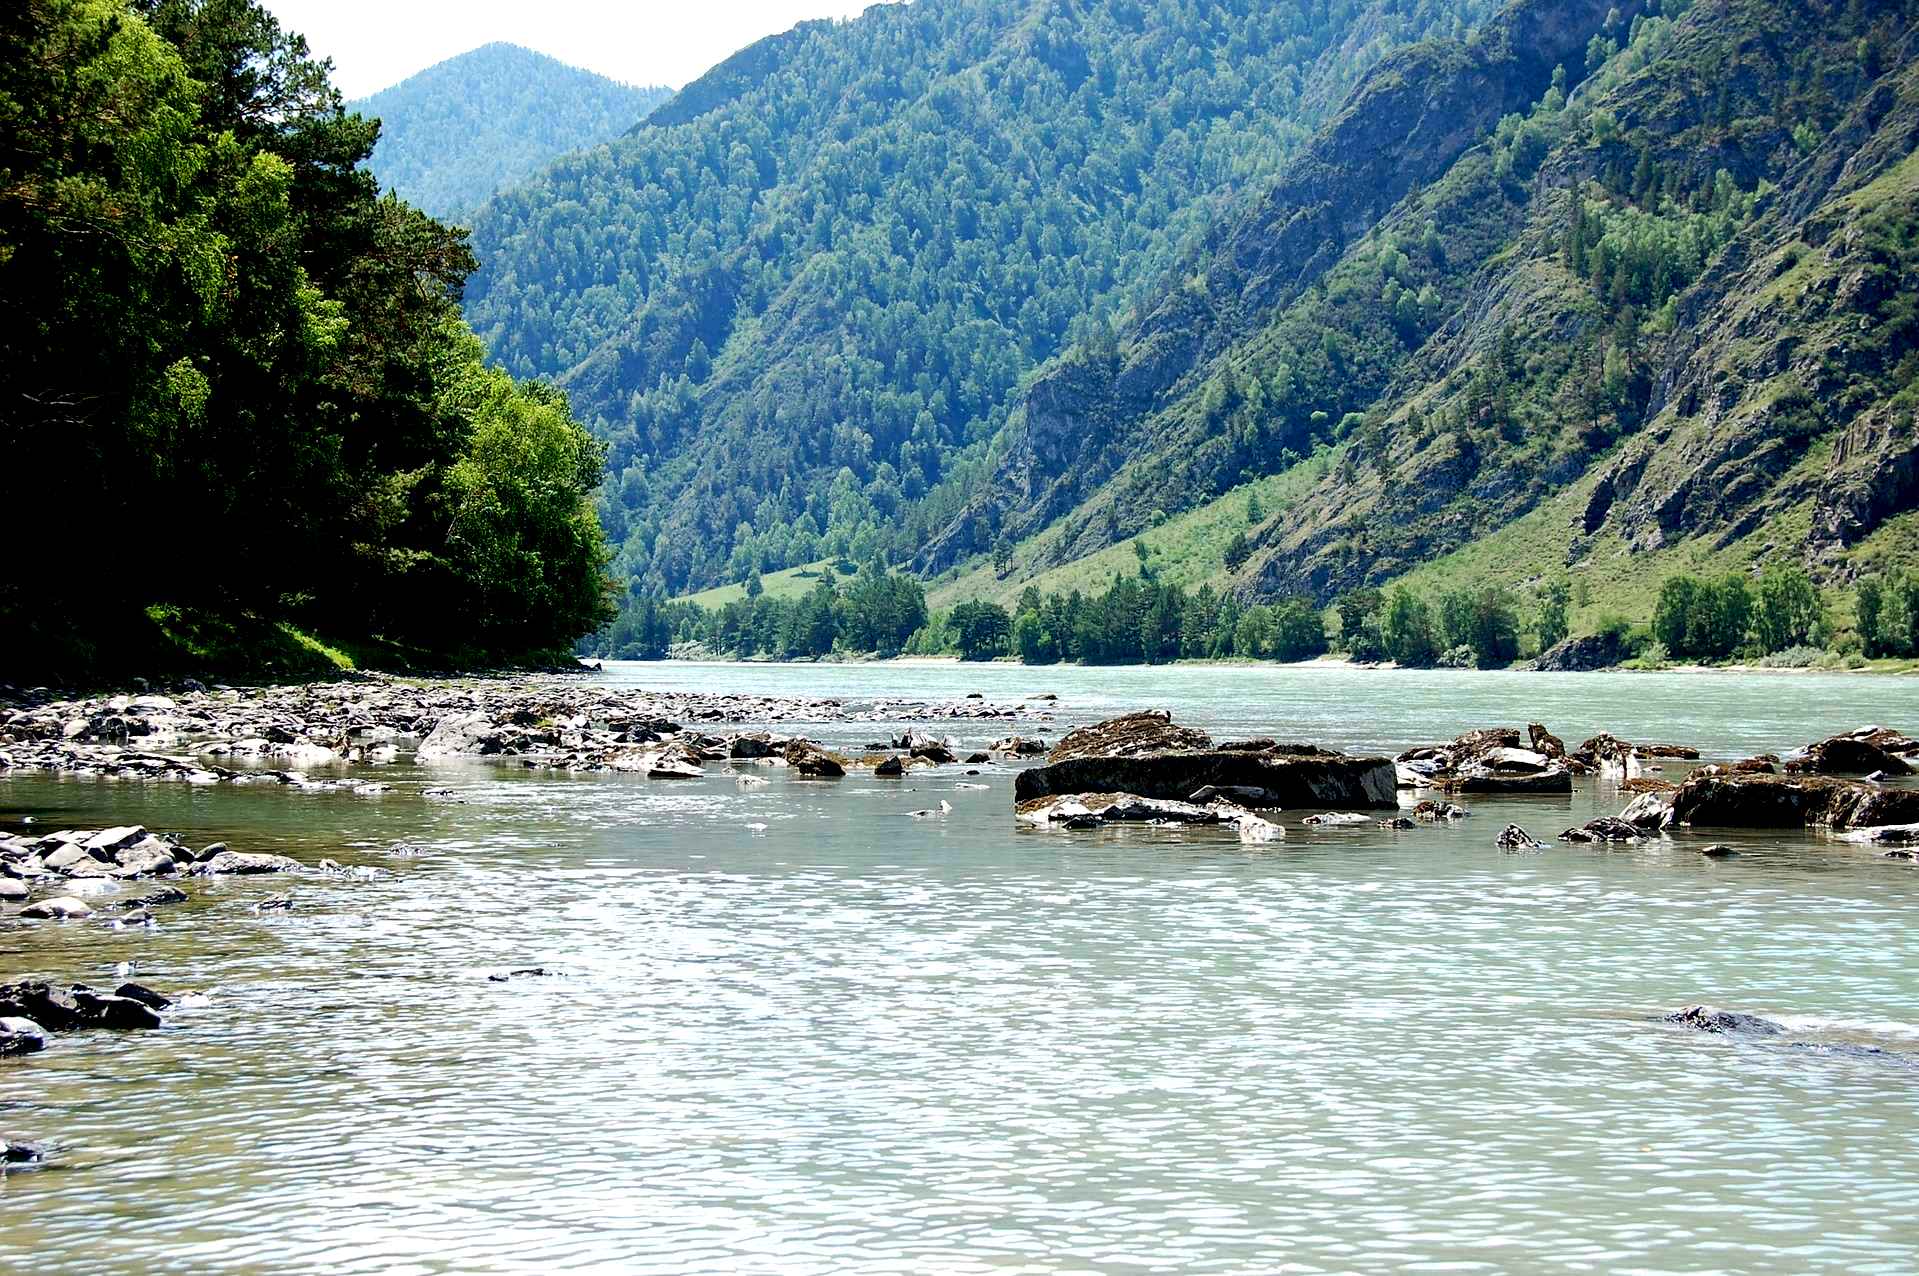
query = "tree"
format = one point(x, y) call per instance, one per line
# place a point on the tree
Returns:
point(1551, 626)
point(1867, 609)
point(1238, 550)
point(981, 630)
point(1407, 629)
point(1789, 613)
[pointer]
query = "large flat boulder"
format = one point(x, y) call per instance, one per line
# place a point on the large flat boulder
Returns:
point(1285, 780)
point(1746, 799)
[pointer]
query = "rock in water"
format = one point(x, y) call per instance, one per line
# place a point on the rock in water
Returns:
point(1714, 1020)
point(20, 1035)
point(21, 1152)
point(1718, 851)
point(1648, 813)
point(1120, 757)
point(1514, 838)
point(1604, 829)
point(59, 907)
point(1131, 735)
point(237, 862)
point(889, 767)
point(1713, 797)
point(1854, 754)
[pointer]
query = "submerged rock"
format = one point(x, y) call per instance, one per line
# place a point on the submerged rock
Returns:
point(1719, 851)
point(1714, 1020)
point(1435, 811)
point(21, 1152)
point(242, 862)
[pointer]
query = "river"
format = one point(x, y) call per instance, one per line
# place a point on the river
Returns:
point(794, 1029)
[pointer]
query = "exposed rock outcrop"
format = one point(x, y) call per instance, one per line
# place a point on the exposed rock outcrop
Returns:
point(1748, 800)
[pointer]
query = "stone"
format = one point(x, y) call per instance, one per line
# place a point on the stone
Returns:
point(1337, 819)
point(1514, 838)
point(1286, 780)
point(978, 759)
point(1435, 811)
point(153, 899)
point(1130, 735)
point(107, 841)
point(149, 857)
point(889, 767)
point(109, 1011)
point(1718, 851)
point(21, 1151)
point(1847, 755)
point(1606, 828)
point(813, 763)
point(59, 907)
point(1087, 810)
point(1545, 742)
point(1583, 654)
point(209, 851)
point(1243, 794)
point(1886, 835)
point(462, 735)
point(20, 1035)
point(12, 890)
point(144, 995)
point(752, 746)
point(1748, 800)
point(243, 862)
point(64, 857)
point(1554, 779)
point(1723, 1022)
point(1399, 822)
point(1648, 813)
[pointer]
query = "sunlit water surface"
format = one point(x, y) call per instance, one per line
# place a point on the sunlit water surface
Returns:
point(797, 1030)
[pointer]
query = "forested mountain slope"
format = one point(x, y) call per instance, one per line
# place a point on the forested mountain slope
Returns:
point(1672, 284)
point(799, 301)
point(459, 132)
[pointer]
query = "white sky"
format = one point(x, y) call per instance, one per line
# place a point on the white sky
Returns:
point(375, 43)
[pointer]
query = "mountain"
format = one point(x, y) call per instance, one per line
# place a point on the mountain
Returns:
point(1603, 288)
point(457, 133)
point(800, 301)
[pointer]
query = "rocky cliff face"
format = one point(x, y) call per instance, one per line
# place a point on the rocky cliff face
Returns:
point(1726, 357)
point(1406, 123)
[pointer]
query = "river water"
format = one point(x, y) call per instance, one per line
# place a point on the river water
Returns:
point(794, 1029)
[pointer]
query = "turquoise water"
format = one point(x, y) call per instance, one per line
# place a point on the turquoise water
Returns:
point(797, 1030)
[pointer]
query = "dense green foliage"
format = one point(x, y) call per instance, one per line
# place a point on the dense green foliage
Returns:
point(458, 133)
point(233, 378)
point(799, 311)
point(1140, 620)
point(1887, 615)
point(1717, 619)
point(1463, 628)
point(873, 613)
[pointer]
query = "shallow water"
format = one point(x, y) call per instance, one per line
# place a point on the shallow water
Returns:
point(852, 1041)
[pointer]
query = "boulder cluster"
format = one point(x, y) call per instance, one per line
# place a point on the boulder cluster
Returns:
point(279, 734)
